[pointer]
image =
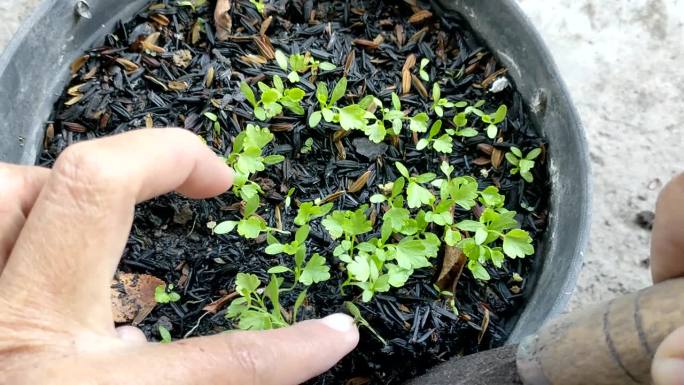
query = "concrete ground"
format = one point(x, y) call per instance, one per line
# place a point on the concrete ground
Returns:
point(622, 61)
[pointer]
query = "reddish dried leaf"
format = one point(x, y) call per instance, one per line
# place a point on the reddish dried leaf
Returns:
point(452, 267)
point(79, 63)
point(359, 183)
point(497, 157)
point(132, 297)
point(420, 16)
point(217, 305)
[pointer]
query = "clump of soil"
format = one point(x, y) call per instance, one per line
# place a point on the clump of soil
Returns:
point(166, 67)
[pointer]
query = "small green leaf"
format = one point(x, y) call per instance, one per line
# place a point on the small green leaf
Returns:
point(281, 59)
point(443, 144)
point(165, 335)
point(278, 270)
point(248, 93)
point(479, 272)
point(224, 227)
point(274, 249)
point(315, 119)
point(378, 198)
point(517, 152)
point(293, 77)
point(451, 237)
point(436, 92)
point(359, 268)
point(532, 155)
point(422, 144)
point(339, 91)
point(327, 66)
point(273, 159)
point(298, 303)
point(492, 130)
point(322, 94)
point(211, 116)
point(419, 123)
point(402, 170)
point(251, 227)
point(517, 244)
point(315, 271)
point(512, 159)
point(246, 283)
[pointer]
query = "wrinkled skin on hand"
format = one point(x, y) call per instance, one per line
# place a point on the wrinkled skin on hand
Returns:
point(62, 233)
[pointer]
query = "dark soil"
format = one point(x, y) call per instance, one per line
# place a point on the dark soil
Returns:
point(170, 238)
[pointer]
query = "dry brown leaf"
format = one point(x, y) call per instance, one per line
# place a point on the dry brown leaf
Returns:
point(79, 63)
point(73, 100)
point(339, 135)
point(418, 84)
point(497, 157)
point(265, 46)
point(209, 79)
point(490, 79)
point(75, 90)
point(399, 33)
point(359, 183)
point(157, 82)
point(379, 39)
point(420, 16)
point(160, 19)
point(332, 197)
point(278, 218)
point(405, 82)
point(366, 43)
point(195, 32)
point(222, 19)
point(409, 63)
point(358, 381)
point(132, 297)
point(349, 61)
point(452, 268)
point(484, 326)
point(182, 58)
point(281, 127)
point(265, 25)
point(127, 64)
point(482, 161)
point(217, 305)
point(49, 133)
point(418, 36)
point(486, 148)
point(341, 152)
point(91, 74)
point(254, 59)
point(178, 86)
point(149, 122)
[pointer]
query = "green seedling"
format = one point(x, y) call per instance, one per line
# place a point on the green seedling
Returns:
point(327, 101)
point(274, 99)
point(309, 211)
point(491, 120)
point(460, 122)
point(251, 309)
point(214, 118)
point(422, 72)
point(288, 197)
point(358, 318)
point(259, 5)
point(300, 64)
point(443, 143)
point(493, 225)
point(165, 294)
point(306, 272)
point(439, 103)
point(165, 335)
point(417, 195)
point(307, 146)
point(523, 164)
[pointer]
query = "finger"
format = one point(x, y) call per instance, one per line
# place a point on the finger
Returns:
point(131, 334)
point(668, 364)
point(284, 356)
point(68, 250)
point(667, 241)
point(19, 187)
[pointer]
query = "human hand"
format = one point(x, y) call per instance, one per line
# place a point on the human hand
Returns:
point(667, 262)
point(62, 232)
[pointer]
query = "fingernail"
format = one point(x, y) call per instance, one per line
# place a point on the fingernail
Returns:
point(668, 371)
point(340, 322)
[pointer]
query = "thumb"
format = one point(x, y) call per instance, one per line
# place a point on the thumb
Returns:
point(668, 364)
point(284, 356)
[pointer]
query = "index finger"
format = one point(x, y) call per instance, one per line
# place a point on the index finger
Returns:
point(667, 241)
point(71, 243)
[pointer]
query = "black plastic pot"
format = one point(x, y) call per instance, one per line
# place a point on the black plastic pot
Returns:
point(35, 68)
